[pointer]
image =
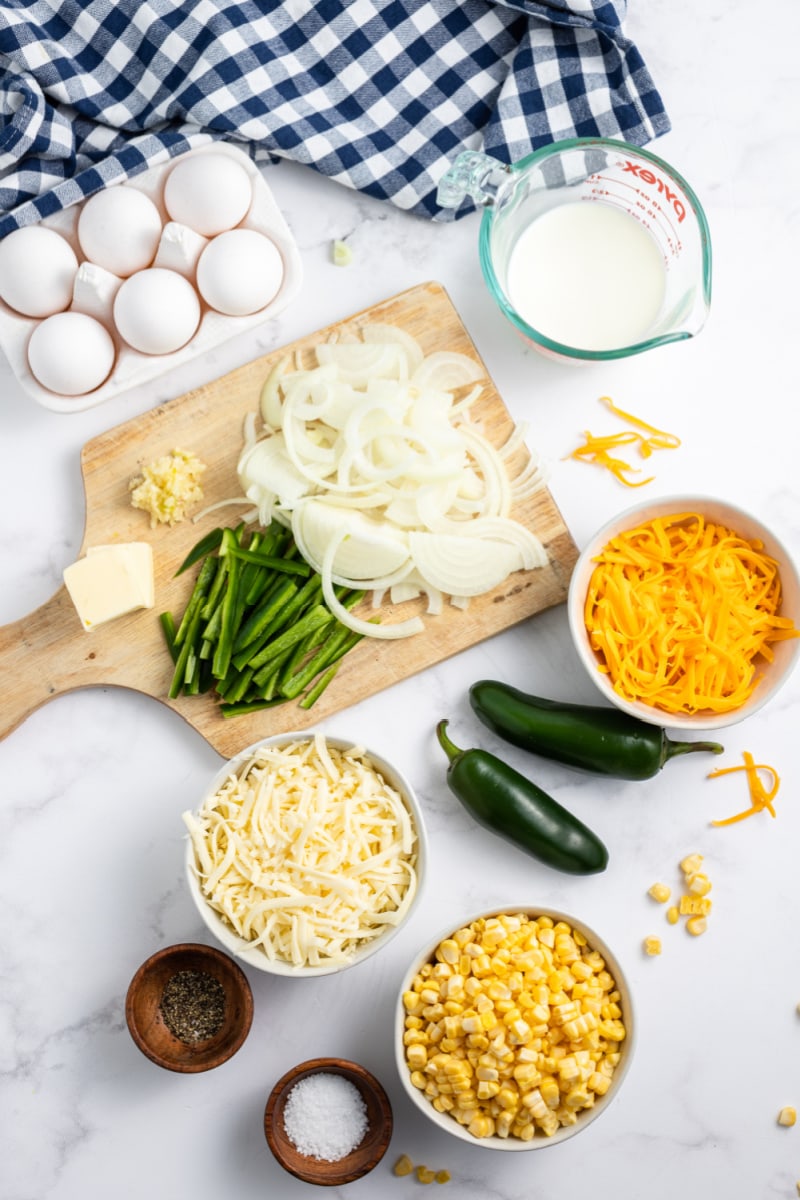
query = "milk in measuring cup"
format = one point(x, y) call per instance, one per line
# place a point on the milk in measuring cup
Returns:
point(588, 275)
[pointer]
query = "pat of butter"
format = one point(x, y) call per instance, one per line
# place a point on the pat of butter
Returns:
point(110, 582)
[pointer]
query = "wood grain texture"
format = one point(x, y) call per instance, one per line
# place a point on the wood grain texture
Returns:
point(48, 653)
point(359, 1161)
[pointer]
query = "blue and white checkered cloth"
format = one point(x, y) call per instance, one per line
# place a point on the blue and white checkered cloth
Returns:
point(379, 95)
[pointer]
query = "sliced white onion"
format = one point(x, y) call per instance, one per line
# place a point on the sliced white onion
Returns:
point(371, 452)
point(463, 566)
point(386, 632)
point(370, 554)
point(267, 467)
point(376, 331)
point(359, 362)
point(447, 370)
point(270, 400)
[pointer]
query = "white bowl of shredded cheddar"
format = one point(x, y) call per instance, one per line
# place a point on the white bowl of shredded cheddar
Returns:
point(685, 612)
point(306, 855)
point(515, 1030)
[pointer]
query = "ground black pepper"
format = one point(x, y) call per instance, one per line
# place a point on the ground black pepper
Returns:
point(193, 1005)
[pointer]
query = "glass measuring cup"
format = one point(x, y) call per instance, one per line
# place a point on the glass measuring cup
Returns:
point(593, 284)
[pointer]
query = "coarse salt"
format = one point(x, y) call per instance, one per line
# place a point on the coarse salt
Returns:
point(325, 1116)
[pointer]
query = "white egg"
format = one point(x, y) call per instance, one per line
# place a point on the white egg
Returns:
point(119, 229)
point(208, 192)
point(37, 270)
point(240, 272)
point(156, 311)
point(71, 354)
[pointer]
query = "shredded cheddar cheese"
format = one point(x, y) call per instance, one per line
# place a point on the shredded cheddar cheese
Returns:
point(596, 448)
point(760, 799)
point(679, 612)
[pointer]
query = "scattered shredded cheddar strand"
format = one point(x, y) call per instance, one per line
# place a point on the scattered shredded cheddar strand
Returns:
point(759, 798)
point(679, 609)
point(660, 439)
point(595, 449)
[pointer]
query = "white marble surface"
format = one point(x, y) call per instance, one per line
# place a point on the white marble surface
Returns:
point(94, 783)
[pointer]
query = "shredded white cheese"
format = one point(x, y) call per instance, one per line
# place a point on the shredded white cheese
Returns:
point(307, 852)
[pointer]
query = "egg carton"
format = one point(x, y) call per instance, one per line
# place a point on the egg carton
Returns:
point(132, 368)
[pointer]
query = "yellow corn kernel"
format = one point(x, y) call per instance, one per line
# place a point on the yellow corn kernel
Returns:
point(673, 915)
point(448, 951)
point(581, 1026)
point(503, 1123)
point(442, 1176)
point(418, 1079)
point(691, 864)
point(508, 1098)
point(535, 1103)
point(652, 945)
point(416, 1056)
point(695, 906)
point(696, 925)
point(488, 1089)
point(425, 1174)
point(549, 1124)
point(481, 1127)
point(414, 1035)
point(599, 1082)
point(443, 1104)
point(403, 1166)
point(787, 1115)
point(660, 892)
point(550, 1091)
point(699, 884)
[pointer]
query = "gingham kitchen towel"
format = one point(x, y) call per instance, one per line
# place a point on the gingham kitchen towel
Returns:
point(378, 94)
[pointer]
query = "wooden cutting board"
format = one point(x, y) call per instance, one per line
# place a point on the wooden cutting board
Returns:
point(48, 652)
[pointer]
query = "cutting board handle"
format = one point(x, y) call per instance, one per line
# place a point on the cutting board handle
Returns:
point(40, 658)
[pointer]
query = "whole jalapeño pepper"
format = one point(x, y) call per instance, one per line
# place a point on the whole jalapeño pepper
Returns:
point(606, 741)
point(508, 804)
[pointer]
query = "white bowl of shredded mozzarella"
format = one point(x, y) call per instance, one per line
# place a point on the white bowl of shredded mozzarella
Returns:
point(306, 854)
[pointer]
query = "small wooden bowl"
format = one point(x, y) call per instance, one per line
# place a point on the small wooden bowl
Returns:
point(146, 1021)
point(360, 1161)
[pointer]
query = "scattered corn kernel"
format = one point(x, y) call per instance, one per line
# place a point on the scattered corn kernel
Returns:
point(787, 1115)
point(698, 883)
point(691, 864)
point(403, 1166)
point(695, 906)
point(660, 892)
point(442, 1176)
point(652, 945)
point(696, 925)
point(673, 914)
point(425, 1174)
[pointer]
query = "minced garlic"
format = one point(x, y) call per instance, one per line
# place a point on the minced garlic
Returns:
point(169, 487)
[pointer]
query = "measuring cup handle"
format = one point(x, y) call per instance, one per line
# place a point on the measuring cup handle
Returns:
point(472, 174)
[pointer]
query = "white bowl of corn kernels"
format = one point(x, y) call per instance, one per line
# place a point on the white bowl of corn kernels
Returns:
point(493, 1049)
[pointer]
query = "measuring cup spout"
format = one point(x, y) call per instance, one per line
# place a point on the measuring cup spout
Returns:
point(475, 175)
